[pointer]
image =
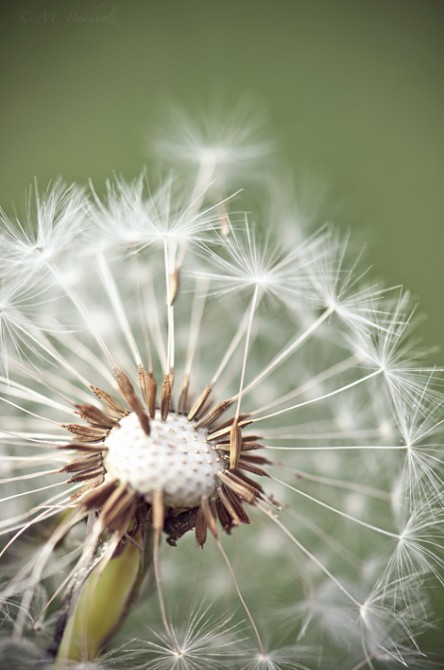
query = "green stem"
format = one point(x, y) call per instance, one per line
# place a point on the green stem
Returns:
point(102, 603)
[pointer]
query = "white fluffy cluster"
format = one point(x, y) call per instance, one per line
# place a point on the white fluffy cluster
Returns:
point(173, 458)
point(317, 354)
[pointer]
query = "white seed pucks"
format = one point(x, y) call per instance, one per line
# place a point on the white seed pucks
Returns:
point(174, 458)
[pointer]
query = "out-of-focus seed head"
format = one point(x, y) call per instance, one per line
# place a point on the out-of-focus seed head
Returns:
point(169, 371)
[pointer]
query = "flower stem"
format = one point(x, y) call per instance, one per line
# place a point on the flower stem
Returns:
point(101, 604)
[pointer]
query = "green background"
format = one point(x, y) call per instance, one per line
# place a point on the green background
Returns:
point(353, 90)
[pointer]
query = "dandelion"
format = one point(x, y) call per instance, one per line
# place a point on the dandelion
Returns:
point(171, 374)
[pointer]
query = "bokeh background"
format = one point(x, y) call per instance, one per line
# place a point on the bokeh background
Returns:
point(353, 91)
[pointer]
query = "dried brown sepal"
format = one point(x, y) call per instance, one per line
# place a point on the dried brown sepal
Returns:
point(206, 407)
point(91, 473)
point(174, 281)
point(144, 421)
point(251, 467)
point(96, 417)
point(214, 414)
point(86, 433)
point(209, 516)
point(225, 431)
point(255, 458)
point(128, 392)
point(166, 394)
point(201, 527)
point(241, 418)
point(158, 510)
point(126, 521)
point(251, 445)
point(89, 486)
point(236, 504)
point(228, 506)
point(212, 503)
point(79, 464)
point(107, 511)
point(235, 443)
point(114, 408)
point(246, 446)
point(255, 486)
point(184, 396)
point(126, 388)
point(83, 447)
point(251, 438)
point(97, 496)
point(224, 517)
point(199, 403)
point(148, 386)
point(122, 513)
point(242, 490)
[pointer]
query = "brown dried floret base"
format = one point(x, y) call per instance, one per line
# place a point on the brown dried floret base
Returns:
point(115, 503)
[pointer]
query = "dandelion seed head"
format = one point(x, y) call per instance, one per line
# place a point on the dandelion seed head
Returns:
point(221, 146)
point(134, 216)
point(172, 376)
point(54, 224)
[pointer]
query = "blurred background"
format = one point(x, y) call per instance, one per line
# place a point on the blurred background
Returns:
point(353, 90)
